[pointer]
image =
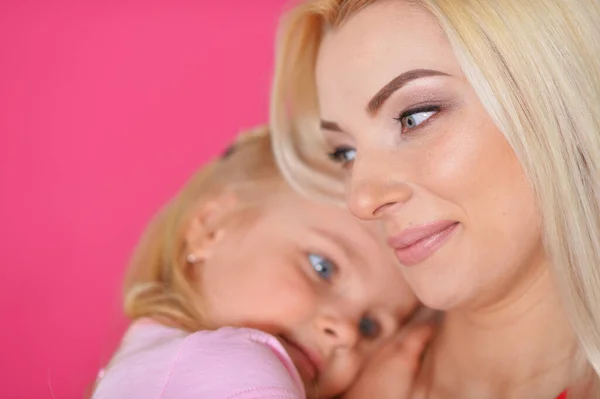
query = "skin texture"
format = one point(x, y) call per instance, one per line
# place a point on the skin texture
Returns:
point(445, 162)
point(455, 165)
point(258, 269)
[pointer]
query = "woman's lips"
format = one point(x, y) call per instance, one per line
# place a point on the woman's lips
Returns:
point(415, 244)
point(307, 363)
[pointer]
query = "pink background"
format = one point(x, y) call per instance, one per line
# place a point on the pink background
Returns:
point(106, 108)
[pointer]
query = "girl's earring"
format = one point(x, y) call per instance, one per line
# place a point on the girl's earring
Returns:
point(192, 258)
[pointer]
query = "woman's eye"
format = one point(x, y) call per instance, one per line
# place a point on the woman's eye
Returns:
point(342, 155)
point(369, 328)
point(412, 119)
point(322, 266)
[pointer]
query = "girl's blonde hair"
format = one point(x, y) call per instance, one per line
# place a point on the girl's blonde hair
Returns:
point(535, 66)
point(157, 284)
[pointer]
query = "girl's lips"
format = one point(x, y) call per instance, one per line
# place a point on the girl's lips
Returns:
point(307, 362)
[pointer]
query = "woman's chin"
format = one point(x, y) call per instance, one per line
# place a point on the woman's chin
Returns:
point(440, 302)
point(440, 295)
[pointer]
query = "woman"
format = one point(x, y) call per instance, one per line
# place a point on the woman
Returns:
point(470, 129)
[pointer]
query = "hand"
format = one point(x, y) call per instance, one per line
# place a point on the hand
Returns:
point(391, 372)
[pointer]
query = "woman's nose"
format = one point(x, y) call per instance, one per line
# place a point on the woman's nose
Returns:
point(375, 190)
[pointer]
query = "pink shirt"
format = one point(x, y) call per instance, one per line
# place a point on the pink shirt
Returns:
point(158, 362)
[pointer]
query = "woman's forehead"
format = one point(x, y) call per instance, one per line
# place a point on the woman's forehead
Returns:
point(376, 45)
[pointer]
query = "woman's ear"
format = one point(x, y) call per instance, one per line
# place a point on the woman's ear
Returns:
point(207, 225)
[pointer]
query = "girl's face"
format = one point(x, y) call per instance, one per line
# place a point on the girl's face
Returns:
point(423, 156)
point(315, 277)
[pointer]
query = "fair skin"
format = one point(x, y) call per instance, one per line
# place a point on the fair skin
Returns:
point(423, 156)
point(310, 274)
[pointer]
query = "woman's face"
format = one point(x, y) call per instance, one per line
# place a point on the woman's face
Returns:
point(423, 156)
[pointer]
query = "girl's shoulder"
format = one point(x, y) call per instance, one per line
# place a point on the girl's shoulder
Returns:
point(157, 358)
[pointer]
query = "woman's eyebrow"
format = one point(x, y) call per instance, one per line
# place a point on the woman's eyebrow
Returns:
point(332, 126)
point(397, 83)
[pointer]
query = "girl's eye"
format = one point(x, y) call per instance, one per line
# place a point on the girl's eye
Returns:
point(369, 328)
point(412, 119)
point(322, 266)
point(342, 155)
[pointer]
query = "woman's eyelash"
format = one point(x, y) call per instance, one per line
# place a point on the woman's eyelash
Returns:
point(425, 108)
point(341, 154)
point(409, 120)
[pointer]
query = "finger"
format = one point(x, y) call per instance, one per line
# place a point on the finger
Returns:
point(426, 315)
point(403, 361)
point(408, 355)
point(416, 339)
point(391, 372)
point(420, 391)
point(407, 363)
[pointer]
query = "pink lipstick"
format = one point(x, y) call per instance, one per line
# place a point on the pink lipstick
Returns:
point(415, 244)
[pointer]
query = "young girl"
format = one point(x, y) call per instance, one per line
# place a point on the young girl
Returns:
point(241, 288)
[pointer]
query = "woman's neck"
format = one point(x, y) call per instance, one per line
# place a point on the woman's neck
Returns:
point(522, 347)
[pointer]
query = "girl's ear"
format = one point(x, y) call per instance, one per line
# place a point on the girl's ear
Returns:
point(207, 225)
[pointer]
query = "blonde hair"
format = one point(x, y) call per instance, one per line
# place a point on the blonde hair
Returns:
point(157, 284)
point(535, 66)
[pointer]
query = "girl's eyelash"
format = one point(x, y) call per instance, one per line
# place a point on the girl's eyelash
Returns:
point(316, 257)
point(369, 327)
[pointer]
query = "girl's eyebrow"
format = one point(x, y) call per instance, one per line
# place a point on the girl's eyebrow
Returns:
point(350, 252)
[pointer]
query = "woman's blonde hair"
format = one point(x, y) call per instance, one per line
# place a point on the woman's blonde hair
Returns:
point(157, 283)
point(535, 66)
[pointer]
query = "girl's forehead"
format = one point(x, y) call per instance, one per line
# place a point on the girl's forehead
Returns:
point(293, 211)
